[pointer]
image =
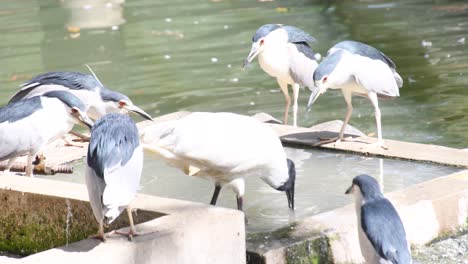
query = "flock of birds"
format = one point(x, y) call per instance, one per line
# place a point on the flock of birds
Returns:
point(223, 147)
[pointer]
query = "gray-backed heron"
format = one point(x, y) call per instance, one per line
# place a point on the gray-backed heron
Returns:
point(28, 125)
point(284, 53)
point(98, 99)
point(225, 148)
point(381, 233)
point(113, 171)
point(360, 69)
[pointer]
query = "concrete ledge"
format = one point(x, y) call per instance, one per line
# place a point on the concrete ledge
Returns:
point(428, 210)
point(180, 232)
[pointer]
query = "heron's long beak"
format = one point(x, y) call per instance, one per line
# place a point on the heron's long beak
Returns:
point(85, 120)
point(349, 190)
point(253, 53)
point(316, 91)
point(137, 110)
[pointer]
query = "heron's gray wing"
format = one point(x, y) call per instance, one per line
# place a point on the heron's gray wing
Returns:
point(296, 35)
point(95, 186)
point(301, 66)
point(19, 110)
point(55, 81)
point(384, 229)
point(362, 49)
point(374, 75)
point(115, 155)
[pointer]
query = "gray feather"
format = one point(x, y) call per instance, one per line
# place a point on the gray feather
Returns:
point(296, 35)
point(18, 110)
point(263, 31)
point(70, 80)
point(385, 231)
point(362, 49)
point(114, 138)
point(328, 65)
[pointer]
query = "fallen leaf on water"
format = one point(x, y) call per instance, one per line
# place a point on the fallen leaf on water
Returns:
point(282, 9)
point(72, 29)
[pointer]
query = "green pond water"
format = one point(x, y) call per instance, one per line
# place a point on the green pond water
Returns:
point(173, 55)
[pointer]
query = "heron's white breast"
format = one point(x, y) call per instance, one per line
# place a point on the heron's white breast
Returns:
point(274, 61)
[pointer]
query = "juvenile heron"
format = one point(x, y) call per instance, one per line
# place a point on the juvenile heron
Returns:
point(113, 171)
point(225, 148)
point(28, 125)
point(381, 233)
point(98, 99)
point(284, 53)
point(357, 68)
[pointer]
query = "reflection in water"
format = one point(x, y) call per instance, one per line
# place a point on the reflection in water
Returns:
point(92, 14)
point(322, 178)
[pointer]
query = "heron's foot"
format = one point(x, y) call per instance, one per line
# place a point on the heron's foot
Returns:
point(100, 236)
point(379, 143)
point(336, 140)
point(130, 234)
point(80, 137)
point(69, 143)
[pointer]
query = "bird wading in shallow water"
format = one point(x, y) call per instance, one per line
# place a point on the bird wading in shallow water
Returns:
point(381, 233)
point(284, 53)
point(28, 125)
point(225, 148)
point(359, 69)
point(98, 99)
point(113, 171)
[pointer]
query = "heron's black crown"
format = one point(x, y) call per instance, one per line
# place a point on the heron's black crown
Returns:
point(369, 187)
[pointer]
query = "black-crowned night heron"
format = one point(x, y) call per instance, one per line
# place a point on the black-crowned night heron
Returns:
point(381, 233)
point(28, 125)
point(98, 99)
point(113, 171)
point(284, 53)
point(360, 69)
point(225, 148)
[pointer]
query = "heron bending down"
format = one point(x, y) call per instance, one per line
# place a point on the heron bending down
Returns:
point(98, 99)
point(113, 171)
point(284, 53)
point(357, 68)
point(28, 125)
point(381, 233)
point(225, 148)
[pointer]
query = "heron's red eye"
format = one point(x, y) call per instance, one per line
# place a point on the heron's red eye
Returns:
point(262, 41)
point(325, 79)
point(74, 110)
point(122, 103)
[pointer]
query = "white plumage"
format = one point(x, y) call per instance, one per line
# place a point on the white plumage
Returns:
point(223, 147)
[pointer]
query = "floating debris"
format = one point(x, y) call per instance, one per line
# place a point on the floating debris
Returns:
point(115, 27)
point(168, 20)
point(318, 56)
point(282, 9)
point(426, 43)
point(234, 79)
point(167, 57)
point(72, 29)
point(252, 103)
point(214, 59)
point(229, 66)
point(196, 22)
point(461, 40)
point(226, 27)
